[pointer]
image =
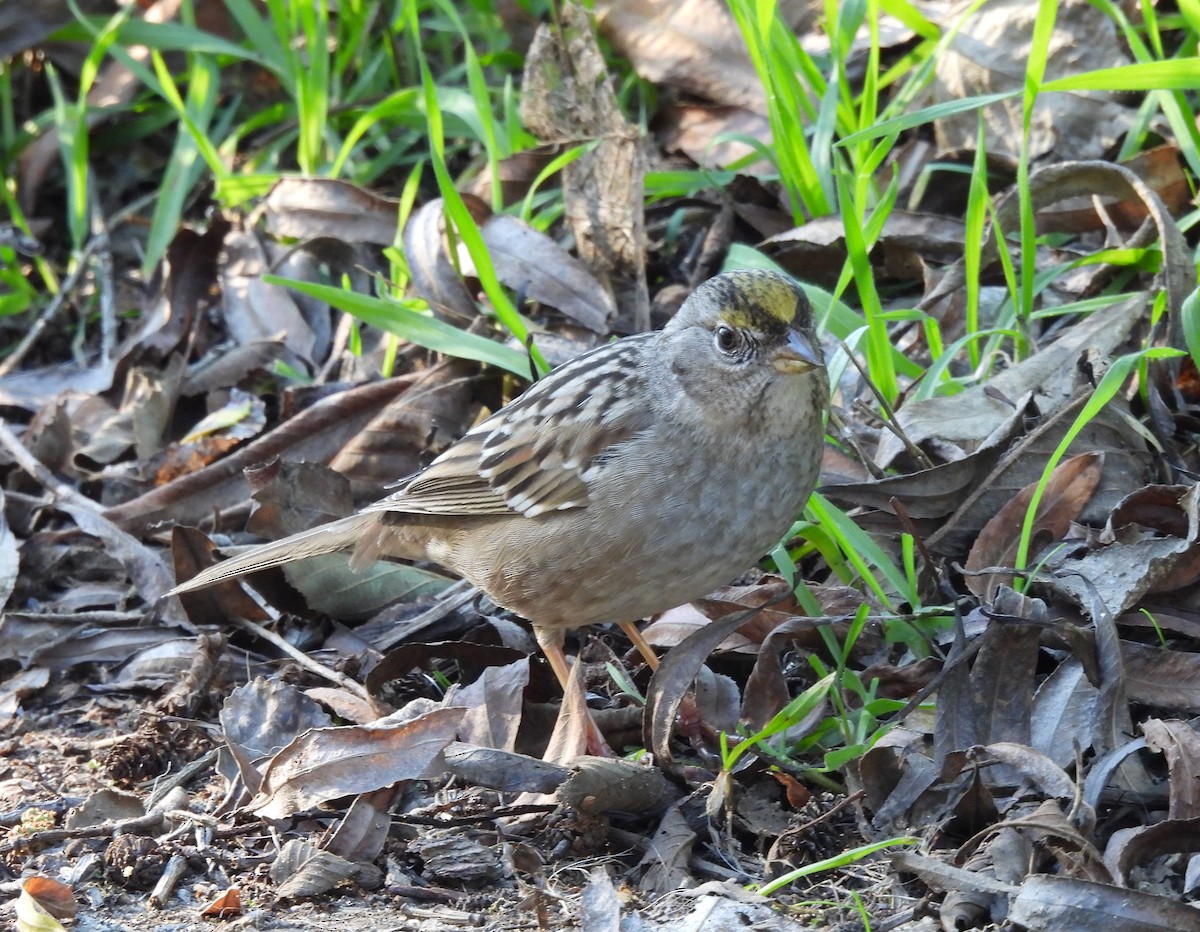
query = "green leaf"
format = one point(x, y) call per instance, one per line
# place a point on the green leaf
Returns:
point(407, 324)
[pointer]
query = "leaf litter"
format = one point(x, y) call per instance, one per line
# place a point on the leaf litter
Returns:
point(1040, 743)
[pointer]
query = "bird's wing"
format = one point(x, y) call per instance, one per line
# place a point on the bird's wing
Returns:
point(537, 454)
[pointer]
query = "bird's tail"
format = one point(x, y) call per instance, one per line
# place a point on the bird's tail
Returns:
point(343, 534)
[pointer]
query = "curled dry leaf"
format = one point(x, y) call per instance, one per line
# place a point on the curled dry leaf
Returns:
point(674, 677)
point(1180, 744)
point(226, 906)
point(1130, 848)
point(304, 870)
point(55, 898)
point(1127, 464)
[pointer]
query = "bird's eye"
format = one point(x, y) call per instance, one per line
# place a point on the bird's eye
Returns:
point(727, 339)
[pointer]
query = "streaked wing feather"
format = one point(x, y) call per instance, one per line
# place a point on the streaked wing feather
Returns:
point(533, 457)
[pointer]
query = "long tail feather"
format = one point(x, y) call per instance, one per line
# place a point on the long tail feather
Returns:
point(343, 534)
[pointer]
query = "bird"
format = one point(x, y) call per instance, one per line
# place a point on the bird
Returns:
point(636, 477)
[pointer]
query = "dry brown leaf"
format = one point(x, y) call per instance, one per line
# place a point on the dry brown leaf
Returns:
point(816, 251)
point(1140, 845)
point(503, 770)
point(226, 906)
point(572, 734)
point(1162, 171)
point(493, 701)
point(260, 718)
point(1180, 744)
point(55, 898)
point(314, 434)
point(254, 310)
point(360, 835)
point(1069, 488)
point(1063, 710)
point(307, 208)
point(980, 60)
point(303, 870)
point(325, 763)
point(532, 263)
point(192, 551)
point(409, 430)
point(691, 44)
point(1163, 678)
point(969, 417)
point(1121, 574)
point(713, 136)
point(667, 855)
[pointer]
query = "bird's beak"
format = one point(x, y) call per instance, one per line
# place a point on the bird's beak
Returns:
point(798, 354)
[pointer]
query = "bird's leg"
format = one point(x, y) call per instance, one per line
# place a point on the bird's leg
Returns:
point(550, 641)
point(643, 646)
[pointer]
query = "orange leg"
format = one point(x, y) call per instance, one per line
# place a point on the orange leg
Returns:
point(550, 641)
point(644, 648)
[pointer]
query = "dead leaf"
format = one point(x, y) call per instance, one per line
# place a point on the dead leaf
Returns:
point(667, 856)
point(55, 898)
point(226, 906)
point(360, 835)
point(533, 264)
point(970, 416)
point(308, 208)
point(691, 44)
point(316, 433)
point(493, 701)
point(261, 718)
point(1078, 125)
point(1063, 497)
point(1045, 902)
point(1180, 744)
point(255, 310)
point(325, 763)
point(503, 770)
point(303, 870)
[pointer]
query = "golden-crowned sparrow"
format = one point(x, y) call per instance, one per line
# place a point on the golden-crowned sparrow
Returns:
point(634, 478)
